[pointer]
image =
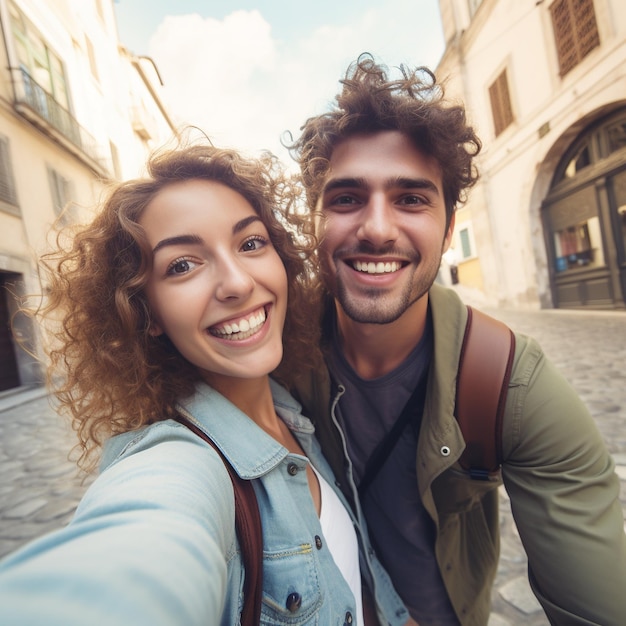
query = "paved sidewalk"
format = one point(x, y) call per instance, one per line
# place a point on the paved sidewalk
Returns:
point(40, 487)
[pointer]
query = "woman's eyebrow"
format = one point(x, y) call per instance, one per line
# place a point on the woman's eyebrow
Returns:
point(196, 240)
point(176, 241)
point(246, 221)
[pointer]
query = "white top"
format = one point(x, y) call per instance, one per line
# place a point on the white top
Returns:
point(341, 540)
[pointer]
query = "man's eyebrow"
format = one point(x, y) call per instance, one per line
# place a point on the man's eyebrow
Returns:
point(404, 182)
point(343, 183)
point(413, 183)
point(196, 240)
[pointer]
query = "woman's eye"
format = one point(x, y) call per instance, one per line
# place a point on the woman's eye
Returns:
point(180, 266)
point(254, 243)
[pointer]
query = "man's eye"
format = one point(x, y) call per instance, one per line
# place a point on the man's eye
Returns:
point(254, 243)
point(343, 200)
point(412, 199)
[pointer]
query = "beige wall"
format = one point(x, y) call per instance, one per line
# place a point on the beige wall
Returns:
point(102, 106)
point(517, 166)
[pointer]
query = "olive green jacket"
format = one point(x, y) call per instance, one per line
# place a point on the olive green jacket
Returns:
point(557, 471)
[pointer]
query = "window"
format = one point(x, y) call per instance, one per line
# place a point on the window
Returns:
point(500, 103)
point(473, 6)
point(618, 184)
point(100, 10)
point(601, 141)
point(579, 245)
point(575, 31)
point(466, 246)
point(580, 160)
point(115, 159)
point(61, 190)
point(616, 136)
point(91, 53)
point(37, 60)
point(8, 192)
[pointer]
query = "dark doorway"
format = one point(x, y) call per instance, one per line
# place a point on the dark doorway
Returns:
point(9, 375)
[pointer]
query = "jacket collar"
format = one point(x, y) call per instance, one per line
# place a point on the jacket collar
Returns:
point(439, 427)
point(248, 448)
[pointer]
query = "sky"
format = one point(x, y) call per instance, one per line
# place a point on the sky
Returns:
point(249, 72)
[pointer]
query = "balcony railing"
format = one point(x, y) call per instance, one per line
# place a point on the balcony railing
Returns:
point(38, 100)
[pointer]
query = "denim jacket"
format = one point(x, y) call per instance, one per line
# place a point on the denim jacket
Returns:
point(153, 540)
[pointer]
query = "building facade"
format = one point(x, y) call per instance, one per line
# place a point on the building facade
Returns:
point(77, 111)
point(544, 83)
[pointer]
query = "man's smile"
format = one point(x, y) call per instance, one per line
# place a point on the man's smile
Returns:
point(379, 267)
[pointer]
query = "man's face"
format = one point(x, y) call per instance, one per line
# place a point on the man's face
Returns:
point(383, 227)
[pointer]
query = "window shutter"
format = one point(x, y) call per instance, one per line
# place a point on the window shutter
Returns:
point(501, 103)
point(7, 182)
point(575, 31)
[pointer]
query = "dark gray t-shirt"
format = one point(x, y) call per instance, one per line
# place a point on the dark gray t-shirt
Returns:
point(399, 526)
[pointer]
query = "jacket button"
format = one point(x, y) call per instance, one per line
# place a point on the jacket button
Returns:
point(294, 602)
point(292, 468)
point(445, 451)
point(348, 619)
point(318, 542)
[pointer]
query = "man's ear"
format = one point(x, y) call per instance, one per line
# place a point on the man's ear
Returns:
point(318, 219)
point(448, 238)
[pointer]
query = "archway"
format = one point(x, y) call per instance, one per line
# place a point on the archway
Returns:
point(584, 218)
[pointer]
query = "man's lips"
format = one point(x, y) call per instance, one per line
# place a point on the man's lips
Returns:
point(240, 328)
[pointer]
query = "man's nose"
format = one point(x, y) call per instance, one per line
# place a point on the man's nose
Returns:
point(234, 281)
point(378, 225)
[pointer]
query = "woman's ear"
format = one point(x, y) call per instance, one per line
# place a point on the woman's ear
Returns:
point(155, 330)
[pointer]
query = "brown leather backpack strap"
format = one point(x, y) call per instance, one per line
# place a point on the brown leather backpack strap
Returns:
point(483, 378)
point(249, 532)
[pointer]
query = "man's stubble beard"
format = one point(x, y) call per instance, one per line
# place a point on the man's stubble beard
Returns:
point(377, 306)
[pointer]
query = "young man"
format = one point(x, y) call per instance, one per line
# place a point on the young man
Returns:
point(385, 170)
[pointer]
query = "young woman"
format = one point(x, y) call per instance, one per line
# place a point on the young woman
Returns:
point(176, 300)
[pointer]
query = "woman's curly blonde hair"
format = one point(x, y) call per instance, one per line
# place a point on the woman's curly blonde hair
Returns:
point(106, 370)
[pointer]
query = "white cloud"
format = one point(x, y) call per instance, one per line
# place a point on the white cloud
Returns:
point(244, 87)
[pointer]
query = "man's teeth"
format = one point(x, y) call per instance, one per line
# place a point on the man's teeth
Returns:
point(377, 268)
point(243, 328)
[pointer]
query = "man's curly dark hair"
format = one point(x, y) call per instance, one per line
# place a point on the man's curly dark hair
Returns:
point(414, 104)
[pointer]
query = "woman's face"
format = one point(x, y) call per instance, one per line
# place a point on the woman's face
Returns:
point(217, 288)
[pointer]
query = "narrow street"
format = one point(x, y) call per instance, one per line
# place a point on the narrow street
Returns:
point(40, 487)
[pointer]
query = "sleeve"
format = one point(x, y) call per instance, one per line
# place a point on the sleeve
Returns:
point(149, 544)
point(564, 496)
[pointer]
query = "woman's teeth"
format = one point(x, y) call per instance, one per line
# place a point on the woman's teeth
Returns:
point(242, 329)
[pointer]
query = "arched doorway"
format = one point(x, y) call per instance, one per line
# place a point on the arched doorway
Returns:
point(584, 217)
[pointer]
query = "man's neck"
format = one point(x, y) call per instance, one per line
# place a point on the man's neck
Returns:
point(374, 350)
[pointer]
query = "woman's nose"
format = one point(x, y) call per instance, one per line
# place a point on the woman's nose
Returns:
point(234, 281)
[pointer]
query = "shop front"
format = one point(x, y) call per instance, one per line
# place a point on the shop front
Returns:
point(584, 218)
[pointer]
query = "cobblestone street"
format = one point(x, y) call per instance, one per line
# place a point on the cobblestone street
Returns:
point(40, 487)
